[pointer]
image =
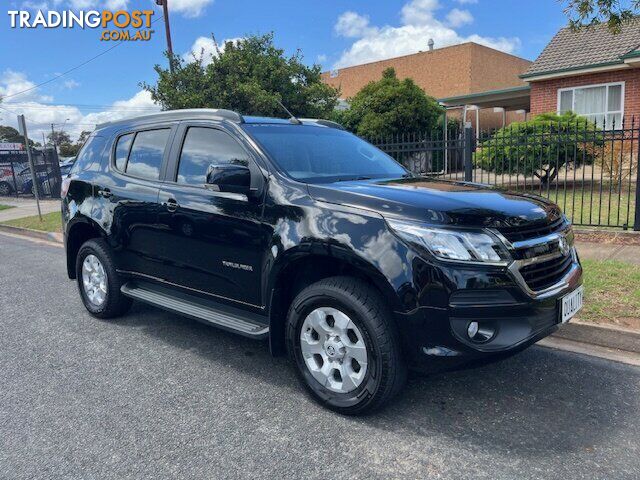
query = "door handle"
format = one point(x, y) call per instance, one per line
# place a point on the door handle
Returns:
point(105, 193)
point(171, 205)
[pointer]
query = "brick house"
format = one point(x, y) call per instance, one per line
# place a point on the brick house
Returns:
point(462, 77)
point(592, 72)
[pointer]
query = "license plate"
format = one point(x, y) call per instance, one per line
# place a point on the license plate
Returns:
point(571, 304)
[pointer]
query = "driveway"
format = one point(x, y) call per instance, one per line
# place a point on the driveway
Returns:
point(154, 395)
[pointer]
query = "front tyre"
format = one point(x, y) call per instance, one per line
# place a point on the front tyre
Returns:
point(345, 345)
point(98, 281)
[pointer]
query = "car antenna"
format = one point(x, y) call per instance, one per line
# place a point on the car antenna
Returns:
point(293, 118)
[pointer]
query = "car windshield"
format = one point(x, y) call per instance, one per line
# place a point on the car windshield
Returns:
point(315, 154)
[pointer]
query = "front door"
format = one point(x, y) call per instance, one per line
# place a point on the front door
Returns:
point(213, 241)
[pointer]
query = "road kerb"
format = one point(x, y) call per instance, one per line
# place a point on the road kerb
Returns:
point(28, 232)
point(621, 356)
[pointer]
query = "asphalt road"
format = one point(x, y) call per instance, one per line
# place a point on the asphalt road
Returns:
point(154, 395)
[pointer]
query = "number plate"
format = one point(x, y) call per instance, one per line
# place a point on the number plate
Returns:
point(571, 304)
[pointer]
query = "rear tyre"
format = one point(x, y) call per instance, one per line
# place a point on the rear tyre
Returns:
point(5, 189)
point(345, 345)
point(98, 281)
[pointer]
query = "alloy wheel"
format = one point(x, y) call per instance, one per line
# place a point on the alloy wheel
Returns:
point(94, 280)
point(333, 349)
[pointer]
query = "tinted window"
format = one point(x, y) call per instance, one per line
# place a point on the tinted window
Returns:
point(203, 147)
point(146, 154)
point(122, 151)
point(319, 154)
point(90, 153)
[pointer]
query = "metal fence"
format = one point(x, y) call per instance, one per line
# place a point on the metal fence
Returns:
point(590, 171)
point(16, 179)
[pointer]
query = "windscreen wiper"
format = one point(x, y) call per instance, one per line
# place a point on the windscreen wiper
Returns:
point(353, 179)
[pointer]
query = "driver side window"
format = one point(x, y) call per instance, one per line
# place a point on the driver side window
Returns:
point(203, 147)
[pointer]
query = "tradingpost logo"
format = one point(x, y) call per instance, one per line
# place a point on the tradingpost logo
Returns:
point(119, 25)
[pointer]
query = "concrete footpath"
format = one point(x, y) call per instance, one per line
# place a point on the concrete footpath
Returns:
point(599, 251)
point(26, 207)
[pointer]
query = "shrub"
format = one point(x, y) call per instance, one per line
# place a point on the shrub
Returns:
point(541, 147)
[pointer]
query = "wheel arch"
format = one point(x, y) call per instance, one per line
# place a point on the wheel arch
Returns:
point(77, 234)
point(303, 270)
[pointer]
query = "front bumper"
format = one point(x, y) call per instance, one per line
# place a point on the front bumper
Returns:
point(435, 336)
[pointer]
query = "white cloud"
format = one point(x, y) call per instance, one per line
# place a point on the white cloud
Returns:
point(75, 4)
point(140, 104)
point(419, 12)
point(457, 18)
point(205, 47)
point(40, 114)
point(189, 8)
point(418, 25)
point(321, 58)
point(108, 4)
point(467, 2)
point(13, 82)
point(71, 84)
point(350, 24)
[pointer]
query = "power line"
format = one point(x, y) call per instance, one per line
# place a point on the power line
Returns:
point(73, 68)
point(111, 108)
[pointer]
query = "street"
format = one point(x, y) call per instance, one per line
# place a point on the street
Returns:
point(155, 395)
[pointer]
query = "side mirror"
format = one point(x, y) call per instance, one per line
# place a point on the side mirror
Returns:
point(233, 178)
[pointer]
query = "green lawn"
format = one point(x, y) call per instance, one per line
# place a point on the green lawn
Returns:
point(51, 222)
point(584, 208)
point(610, 208)
point(5, 207)
point(612, 293)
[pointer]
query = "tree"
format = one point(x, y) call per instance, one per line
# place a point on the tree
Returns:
point(69, 149)
point(249, 76)
point(59, 137)
point(84, 135)
point(541, 147)
point(593, 12)
point(11, 135)
point(390, 106)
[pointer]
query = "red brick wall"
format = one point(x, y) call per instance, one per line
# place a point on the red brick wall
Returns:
point(544, 94)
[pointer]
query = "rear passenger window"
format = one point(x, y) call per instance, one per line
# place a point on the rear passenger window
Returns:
point(203, 147)
point(145, 158)
point(90, 153)
point(122, 151)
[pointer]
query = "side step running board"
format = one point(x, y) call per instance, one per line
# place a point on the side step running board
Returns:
point(228, 318)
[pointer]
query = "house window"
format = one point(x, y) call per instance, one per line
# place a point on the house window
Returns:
point(599, 103)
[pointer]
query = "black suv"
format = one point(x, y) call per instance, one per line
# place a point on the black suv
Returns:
point(302, 233)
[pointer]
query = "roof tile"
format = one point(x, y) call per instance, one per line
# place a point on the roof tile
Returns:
point(593, 45)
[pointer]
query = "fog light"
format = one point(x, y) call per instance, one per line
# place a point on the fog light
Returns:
point(472, 329)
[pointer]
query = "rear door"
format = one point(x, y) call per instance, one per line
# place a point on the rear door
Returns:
point(214, 241)
point(130, 196)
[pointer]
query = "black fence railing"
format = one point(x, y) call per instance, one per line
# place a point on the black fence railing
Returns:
point(589, 171)
point(16, 179)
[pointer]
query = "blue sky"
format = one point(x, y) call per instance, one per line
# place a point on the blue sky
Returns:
point(332, 32)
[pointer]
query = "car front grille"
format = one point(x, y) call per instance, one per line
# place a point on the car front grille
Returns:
point(541, 275)
point(518, 234)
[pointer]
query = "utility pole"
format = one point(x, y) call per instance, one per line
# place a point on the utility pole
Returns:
point(167, 29)
point(22, 124)
point(53, 139)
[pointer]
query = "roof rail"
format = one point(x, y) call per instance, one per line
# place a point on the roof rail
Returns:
point(324, 123)
point(184, 114)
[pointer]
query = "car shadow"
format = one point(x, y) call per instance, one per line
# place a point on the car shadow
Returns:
point(539, 403)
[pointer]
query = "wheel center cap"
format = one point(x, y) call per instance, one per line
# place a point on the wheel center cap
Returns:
point(334, 348)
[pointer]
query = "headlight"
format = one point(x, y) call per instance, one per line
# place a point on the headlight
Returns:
point(454, 245)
